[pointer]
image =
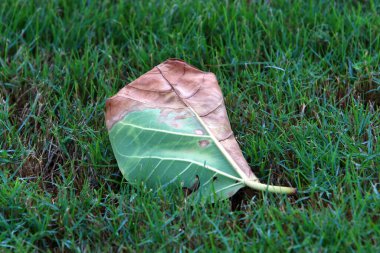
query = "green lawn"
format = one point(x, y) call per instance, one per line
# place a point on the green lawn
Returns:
point(301, 82)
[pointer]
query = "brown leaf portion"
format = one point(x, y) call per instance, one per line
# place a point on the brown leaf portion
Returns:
point(176, 86)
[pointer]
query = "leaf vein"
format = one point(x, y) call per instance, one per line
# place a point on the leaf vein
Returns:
point(163, 131)
point(186, 160)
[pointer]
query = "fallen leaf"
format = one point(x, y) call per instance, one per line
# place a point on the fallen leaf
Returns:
point(171, 126)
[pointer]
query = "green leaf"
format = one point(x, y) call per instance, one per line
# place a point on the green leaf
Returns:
point(156, 153)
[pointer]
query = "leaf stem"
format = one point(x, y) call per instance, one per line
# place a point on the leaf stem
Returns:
point(270, 188)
